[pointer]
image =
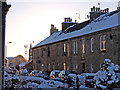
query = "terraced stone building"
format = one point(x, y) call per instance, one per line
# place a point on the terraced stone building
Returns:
point(81, 47)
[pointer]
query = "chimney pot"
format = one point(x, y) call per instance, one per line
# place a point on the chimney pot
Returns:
point(75, 21)
point(107, 9)
point(91, 9)
point(98, 9)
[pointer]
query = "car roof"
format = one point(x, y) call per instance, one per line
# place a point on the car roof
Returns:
point(56, 71)
point(88, 74)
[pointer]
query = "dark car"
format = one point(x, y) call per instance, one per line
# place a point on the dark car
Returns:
point(89, 79)
point(23, 72)
point(8, 70)
point(43, 74)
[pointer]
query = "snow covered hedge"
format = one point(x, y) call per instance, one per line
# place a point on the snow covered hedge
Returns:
point(107, 77)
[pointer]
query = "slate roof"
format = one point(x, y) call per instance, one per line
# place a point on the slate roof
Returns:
point(105, 21)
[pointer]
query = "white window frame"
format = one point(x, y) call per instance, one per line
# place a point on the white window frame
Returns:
point(101, 43)
point(74, 47)
point(92, 45)
point(91, 68)
point(65, 48)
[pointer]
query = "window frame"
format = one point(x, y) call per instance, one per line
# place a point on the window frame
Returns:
point(92, 45)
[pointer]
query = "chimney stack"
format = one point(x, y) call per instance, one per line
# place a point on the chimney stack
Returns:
point(53, 29)
point(96, 12)
point(67, 22)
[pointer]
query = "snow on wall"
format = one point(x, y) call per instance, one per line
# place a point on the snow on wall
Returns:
point(103, 22)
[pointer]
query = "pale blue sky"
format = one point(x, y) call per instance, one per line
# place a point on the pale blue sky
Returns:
point(30, 20)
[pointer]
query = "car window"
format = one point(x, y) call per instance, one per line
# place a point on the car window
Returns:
point(90, 77)
point(56, 74)
point(67, 73)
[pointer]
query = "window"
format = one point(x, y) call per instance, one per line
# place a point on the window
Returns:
point(64, 49)
point(75, 67)
point(91, 44)
point(42, 51)
point(91, 68)
point(75, 47)
point(64, 66)
point(103, 43)
point(83, 67)
point(48, 51)
point(34, 66)
point(83, 50)
point(111, 37)
point(83, 47)
point(68, 49)
point(49, 67)
point(42, 67)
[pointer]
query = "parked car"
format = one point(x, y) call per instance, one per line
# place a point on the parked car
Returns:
point(54, 74)
point(43, 74)
point(57, 79)
point(8, 70)
point(23, 72)
point(89, 79)
point(64, 74)
point(34, 72)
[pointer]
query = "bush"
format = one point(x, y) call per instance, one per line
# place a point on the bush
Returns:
point(107, 78)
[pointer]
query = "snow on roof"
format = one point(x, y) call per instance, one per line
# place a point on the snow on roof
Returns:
point(10, 58)
point(50, 38)
point(103, 22)
point(23, 64)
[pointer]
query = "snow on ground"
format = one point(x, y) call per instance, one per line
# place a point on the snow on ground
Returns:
point(38, 82)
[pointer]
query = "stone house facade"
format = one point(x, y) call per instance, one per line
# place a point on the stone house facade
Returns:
point(80, 51)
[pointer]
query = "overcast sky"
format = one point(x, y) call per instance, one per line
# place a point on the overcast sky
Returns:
point(30, 20)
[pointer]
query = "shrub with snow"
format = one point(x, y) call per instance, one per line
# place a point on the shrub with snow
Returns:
point(107, 78)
